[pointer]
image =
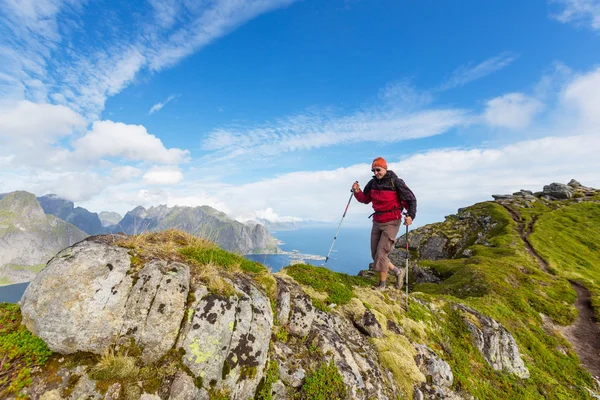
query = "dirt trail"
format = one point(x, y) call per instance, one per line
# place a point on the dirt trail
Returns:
point(524, 232)
point(584, 334)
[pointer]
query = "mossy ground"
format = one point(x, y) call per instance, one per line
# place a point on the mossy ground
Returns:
point(501, 280)
point(337, 285)
point(20, 352)
point(568, 239)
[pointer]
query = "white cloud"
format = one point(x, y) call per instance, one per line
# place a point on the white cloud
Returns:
point(160, 105)
point(267, 214)
point(38, 122)
point(583, 94)
point(6, 160)
point(469, 73)
point(125, 173)
point(163, 175)
point(443, 180)
point(579, 12)
point(317, 130)
point(131, 142)
point(512, 110)
point(75, 186)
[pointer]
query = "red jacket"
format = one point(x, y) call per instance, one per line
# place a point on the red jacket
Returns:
point(390, 196)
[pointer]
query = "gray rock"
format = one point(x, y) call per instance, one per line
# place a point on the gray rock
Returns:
point(57, 307)
point(368, 324)
point(113, 391)
point(85, 389)
point(228, 341)
point(183, 388)
point(495, 343)
point(292, 374)
point(574, 184)
point(155, 307)
point(424, 275)
point(279, 391)
point(503, 196)
point(434, 247)
point(105, 289)
point(295, 309)
point(558, 191)
point(148, 396)
point(436, 370)
point(417, 394)
point(206, 344)
point(250, 341)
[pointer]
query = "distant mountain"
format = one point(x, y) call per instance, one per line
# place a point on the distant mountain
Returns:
point(29, 237)
point(274, 226)
point(65, 209)
point(202, 221)
point(109, 218)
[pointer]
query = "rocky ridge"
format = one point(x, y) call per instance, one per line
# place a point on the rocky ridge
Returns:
point(226, 343)
point(202, 221)
point(472, 328)
point(29, 237)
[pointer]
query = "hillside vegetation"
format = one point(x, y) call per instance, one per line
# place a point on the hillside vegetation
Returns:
point(497, 266)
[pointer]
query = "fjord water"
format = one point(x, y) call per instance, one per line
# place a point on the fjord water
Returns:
point(12, 293)
point(350, 254)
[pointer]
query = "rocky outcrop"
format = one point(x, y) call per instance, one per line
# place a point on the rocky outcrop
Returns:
point(29, 237)
point(557, 191)
point(444, 240)
point(225, 342)
point(202, 221)
point(439, 377)
point(123, 304)
point(495, 343)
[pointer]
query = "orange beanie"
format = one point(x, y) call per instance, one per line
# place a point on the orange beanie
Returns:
point(379, 162)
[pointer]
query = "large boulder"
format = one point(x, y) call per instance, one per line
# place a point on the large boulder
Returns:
point(558, 191)
point(106, 301)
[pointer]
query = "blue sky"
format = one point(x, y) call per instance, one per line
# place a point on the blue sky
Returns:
point(272, 108)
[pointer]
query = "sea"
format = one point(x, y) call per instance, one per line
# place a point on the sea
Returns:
point(350, 254)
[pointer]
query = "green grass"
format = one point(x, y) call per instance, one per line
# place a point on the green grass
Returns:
point(503, 281)
point(568, 239)
point(20, 352)
point(222, 258)
point(263, 391)
point(324, 383)
point(338, 286)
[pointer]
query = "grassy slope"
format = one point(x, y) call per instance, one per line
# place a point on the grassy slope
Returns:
point(500, 280)
point(504, 282)
point(568, 239)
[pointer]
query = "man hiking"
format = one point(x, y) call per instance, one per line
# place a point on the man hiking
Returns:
point(389, 195)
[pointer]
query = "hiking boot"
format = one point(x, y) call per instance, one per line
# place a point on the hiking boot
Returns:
point(380, 287)
point(399, 278)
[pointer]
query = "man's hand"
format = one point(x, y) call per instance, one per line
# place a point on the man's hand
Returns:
point(407, 220)
point(355, 187)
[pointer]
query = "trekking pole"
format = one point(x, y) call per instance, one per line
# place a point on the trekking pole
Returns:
point(339, 226)
point(407, 268)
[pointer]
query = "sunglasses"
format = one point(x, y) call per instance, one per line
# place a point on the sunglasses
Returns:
point(376, 169)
